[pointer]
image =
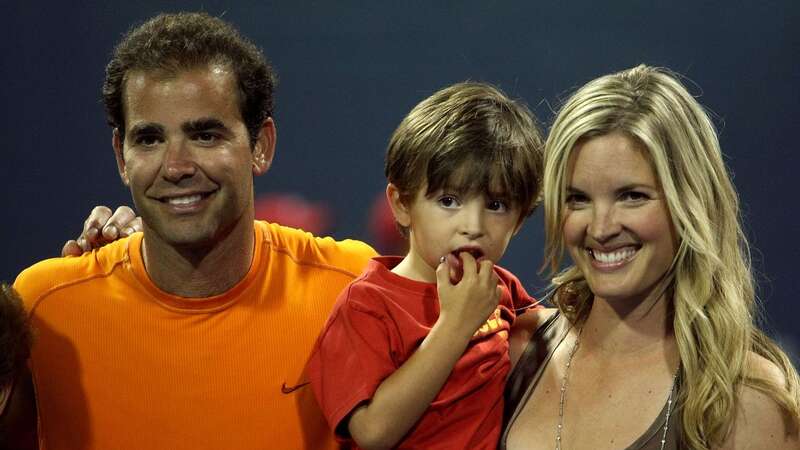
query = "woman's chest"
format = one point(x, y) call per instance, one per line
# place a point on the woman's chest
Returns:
point(591, 407)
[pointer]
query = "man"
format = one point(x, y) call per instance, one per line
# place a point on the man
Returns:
point(195, 333)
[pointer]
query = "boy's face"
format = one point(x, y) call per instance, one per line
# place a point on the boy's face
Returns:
point(445, 223)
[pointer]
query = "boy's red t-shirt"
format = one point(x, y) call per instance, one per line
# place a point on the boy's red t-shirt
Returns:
point(378, 321)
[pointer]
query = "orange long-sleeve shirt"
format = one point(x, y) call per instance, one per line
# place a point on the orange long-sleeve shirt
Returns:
point(120, 364)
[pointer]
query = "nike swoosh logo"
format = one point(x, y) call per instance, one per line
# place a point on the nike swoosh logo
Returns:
point(289, 389)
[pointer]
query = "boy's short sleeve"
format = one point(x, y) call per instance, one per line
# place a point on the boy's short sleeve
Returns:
point(352, 357)
point(520, 298)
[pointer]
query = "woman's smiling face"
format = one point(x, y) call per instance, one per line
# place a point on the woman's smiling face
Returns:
point(617, 226)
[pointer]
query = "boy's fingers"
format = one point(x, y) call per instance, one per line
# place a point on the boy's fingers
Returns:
point(485, 270)
point(443, 272)
point(455, 277)
point(468, 263)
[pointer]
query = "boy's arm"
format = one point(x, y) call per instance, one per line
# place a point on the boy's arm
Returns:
point(403, 397)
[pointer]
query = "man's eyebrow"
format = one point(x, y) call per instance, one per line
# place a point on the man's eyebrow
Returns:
point(203, 124)
point(146, 128)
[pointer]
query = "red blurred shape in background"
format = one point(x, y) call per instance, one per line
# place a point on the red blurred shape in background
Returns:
point(294, 211)
point(386, 238)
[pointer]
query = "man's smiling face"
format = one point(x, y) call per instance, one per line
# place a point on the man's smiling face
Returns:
point(186, 155)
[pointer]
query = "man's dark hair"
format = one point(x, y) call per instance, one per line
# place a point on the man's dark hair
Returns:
point(172, 43)
point(15, 334)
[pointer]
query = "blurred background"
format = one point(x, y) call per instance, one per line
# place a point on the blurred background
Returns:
point(350, 71)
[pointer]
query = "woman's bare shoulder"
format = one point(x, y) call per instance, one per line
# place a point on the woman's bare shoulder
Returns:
point(760, 367)
point(525, 325)
point(532, 319)
point(760, 422)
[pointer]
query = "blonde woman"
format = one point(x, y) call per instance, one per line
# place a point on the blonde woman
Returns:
point(653, 344)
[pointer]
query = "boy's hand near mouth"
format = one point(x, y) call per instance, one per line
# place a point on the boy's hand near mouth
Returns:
point(468, 290)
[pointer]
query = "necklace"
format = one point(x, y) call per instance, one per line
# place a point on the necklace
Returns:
point(669, 408)
point(563, 396)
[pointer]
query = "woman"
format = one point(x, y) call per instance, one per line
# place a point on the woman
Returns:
point(653, 344)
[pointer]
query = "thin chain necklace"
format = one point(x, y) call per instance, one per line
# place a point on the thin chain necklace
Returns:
point(564, 389)
point(563, 396)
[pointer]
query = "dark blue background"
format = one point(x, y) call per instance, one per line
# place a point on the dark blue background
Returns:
point(349, 72)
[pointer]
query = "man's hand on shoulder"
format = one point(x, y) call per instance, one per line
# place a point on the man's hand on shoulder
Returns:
point(101, 227)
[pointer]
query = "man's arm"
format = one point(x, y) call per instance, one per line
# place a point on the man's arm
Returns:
point(402, 398)
point(101, 227)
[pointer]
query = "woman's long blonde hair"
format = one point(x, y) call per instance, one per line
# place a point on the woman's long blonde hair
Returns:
point(710, 278)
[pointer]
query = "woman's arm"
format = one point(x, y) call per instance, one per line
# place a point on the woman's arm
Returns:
point(760, 423)
point(525, 325)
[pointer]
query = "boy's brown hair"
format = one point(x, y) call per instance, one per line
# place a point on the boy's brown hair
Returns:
point(471, 138)
point(15, 335)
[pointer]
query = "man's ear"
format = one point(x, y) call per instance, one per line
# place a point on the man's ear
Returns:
point(400, 210)
point(116, 142)
point(264, 148)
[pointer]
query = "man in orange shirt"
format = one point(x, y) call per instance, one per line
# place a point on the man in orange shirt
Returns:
point(195, 333)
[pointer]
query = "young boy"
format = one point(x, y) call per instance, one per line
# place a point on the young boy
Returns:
point(17, 410)
point(415, 352)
